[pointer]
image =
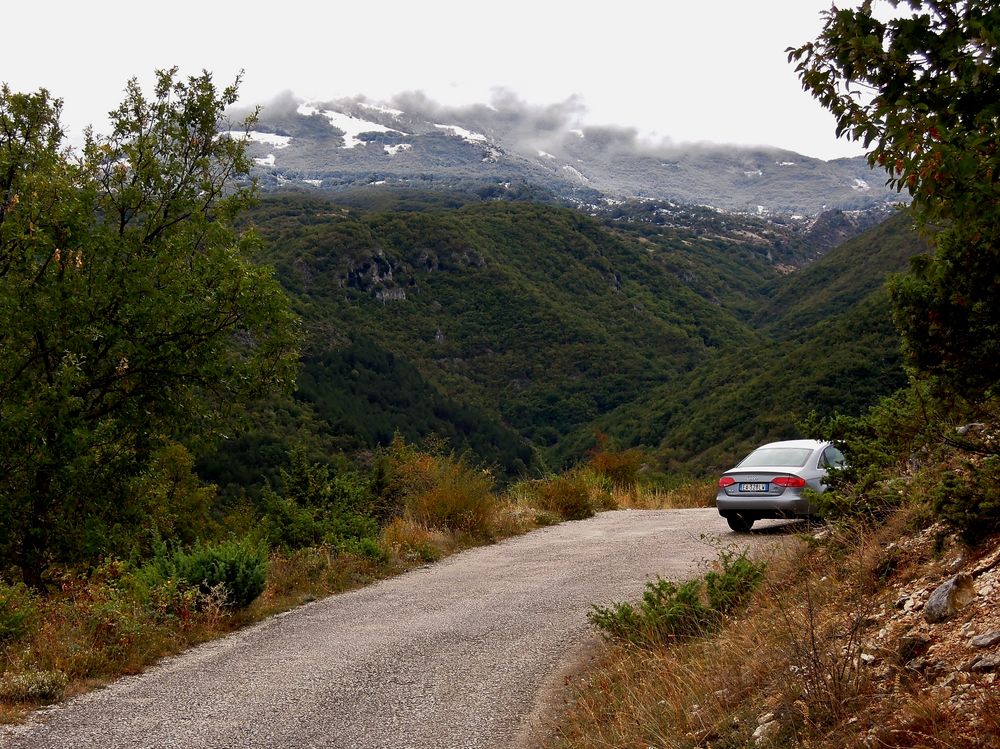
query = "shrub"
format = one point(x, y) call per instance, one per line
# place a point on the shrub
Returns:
point(620, 468)
point(18, 611)
point(460, 499)
point(567, 495)
point(729, 588)
point(366, 548)
point(440, 490)
point(669, 611)
point(32, 686)
point(969, 501)
point(410, 540)
point(315, 509)
point(238, 565)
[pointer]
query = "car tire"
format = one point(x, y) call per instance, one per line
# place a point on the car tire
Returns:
point(740, 523)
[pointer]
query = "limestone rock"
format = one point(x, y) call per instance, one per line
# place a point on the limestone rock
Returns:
point(986, 640)
point(766, 732)
point(950, 596)
point(986, 663)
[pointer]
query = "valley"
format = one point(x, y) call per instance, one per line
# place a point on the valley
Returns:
point(520, 330)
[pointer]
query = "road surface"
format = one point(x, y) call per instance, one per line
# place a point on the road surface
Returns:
point(460, 654)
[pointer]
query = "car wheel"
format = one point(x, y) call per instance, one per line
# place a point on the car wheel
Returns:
point(739, 523)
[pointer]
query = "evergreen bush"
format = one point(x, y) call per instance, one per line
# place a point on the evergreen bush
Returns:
point(670, 611)
point(969, 500)
point(18, 611)
point(728, 589)
point(238, 565)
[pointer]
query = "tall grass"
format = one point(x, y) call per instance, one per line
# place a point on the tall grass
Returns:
point(689, 493)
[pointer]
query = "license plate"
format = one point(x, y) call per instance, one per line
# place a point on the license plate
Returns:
point(753, 487)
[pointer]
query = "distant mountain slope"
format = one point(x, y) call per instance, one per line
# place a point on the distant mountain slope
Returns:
point(842, 278)
point(517, 329)
point(826, 343)
point(351, 143)
point(542, 317)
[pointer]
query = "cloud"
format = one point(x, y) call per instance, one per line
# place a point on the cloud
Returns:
point(553, 128)
point(510, 120)
point(282, 105)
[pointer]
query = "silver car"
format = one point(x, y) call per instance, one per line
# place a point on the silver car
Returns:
point(769, 482)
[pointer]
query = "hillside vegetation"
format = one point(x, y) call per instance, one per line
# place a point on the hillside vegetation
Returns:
point(516, 330)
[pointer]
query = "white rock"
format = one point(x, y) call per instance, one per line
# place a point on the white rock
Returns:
point(766, 732)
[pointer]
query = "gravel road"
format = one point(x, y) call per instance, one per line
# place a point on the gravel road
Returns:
point(463, 653)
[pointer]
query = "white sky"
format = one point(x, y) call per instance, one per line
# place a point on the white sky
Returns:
point(687, 70)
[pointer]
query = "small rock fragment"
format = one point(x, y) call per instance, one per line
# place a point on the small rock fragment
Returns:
point(986, 663)
point(967, 428)
point(766, 732)
point(986, 640)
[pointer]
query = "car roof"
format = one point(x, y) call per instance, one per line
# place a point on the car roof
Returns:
point(811, 444)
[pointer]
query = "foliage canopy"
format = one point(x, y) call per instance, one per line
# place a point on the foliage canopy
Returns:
point(919, 90)
point(129, 313)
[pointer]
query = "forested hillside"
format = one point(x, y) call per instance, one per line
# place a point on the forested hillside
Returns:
point(826, 343)
point(516, 330)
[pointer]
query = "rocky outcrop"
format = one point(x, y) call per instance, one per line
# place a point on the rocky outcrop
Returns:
point(938, 629)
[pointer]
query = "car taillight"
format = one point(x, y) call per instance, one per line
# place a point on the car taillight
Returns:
point(726, 481)
point(789, 481)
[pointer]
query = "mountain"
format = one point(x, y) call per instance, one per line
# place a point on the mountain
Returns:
point(505, 152)
point(516, 330)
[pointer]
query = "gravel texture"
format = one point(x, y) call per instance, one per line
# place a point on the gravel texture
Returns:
point(457, 654)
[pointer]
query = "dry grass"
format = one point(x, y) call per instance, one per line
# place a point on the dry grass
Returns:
point(677, 696)
point(689, 494)
point(798, 654)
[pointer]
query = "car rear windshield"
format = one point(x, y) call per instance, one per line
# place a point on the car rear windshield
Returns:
point(777, 456)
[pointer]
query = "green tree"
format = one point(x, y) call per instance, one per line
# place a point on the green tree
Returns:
point(917, 85)
point(130, 315)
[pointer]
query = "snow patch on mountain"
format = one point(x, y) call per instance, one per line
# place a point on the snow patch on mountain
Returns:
point(393, 150)
point(381, 108)
point(255, 136)
point(545, 155)
point(313, 182)
point(860, 185)
point(265, 161)
point(575, 172)
point(467, 135)
point(351, 126)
